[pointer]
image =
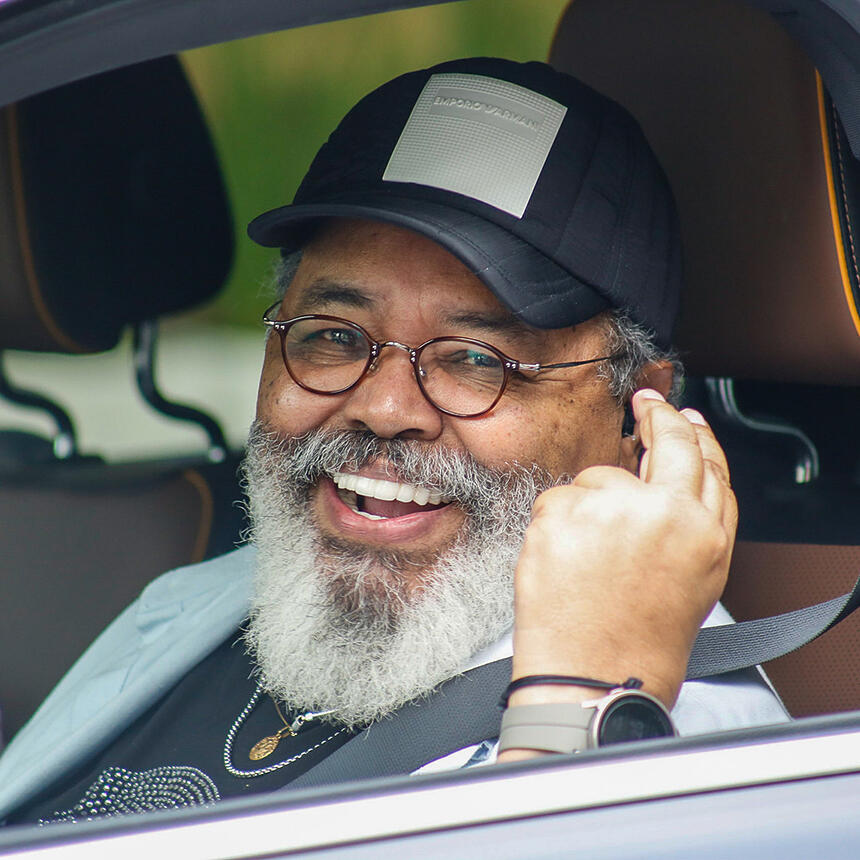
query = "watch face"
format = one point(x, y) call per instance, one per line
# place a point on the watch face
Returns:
point(633, 718)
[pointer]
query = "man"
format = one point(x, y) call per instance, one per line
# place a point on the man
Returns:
point(480, 267)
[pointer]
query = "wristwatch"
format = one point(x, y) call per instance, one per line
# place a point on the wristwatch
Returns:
point(623, 715)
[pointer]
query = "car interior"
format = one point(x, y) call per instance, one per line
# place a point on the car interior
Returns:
point(766, 184)
point(107, 227)
point(750, 115)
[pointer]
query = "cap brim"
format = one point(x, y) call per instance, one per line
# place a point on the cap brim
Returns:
point(530, 284)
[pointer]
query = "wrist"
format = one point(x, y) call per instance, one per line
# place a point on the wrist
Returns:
point(617, 716)
point(662, 681)
point(578, 683)
point(548, 694)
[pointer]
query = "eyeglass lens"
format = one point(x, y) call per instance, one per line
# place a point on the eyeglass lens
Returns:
point(456, 374)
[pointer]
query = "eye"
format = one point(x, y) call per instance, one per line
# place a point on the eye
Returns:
point(478, 359)
point(467, 362)
point(345, 337)
point(325, 341)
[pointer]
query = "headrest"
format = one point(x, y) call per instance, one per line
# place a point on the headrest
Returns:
point(112, 209)
point(766, 185)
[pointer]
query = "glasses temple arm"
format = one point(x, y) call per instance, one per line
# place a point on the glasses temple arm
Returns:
point(535, 368)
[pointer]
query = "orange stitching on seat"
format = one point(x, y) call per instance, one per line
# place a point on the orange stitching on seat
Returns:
point(17, 177)
point(201, 541)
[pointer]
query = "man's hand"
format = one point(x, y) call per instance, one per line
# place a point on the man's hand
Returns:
point(618, 572)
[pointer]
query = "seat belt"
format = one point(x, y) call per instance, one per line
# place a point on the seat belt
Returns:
point(727, 647)
point(465, 710)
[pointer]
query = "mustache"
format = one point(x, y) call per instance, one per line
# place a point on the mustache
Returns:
point(301, 461)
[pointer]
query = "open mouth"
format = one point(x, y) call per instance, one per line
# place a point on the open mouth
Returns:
point(376, 498)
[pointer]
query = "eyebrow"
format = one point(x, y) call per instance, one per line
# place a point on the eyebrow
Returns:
point(493, 323)
point(324, 294)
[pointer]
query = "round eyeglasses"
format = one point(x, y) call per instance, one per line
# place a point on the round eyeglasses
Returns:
point(460, 376)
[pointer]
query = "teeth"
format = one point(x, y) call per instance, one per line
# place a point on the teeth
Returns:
point(365, 486)
point(387, 491)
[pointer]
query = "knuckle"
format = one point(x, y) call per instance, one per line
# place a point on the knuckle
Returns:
point(551, 504)
point(592, 475)
point(719, 470)
point(679, 434)
point(547, 499)
point(714, 543)
point(721, 544)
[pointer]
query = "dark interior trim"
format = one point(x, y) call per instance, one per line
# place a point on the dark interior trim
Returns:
point(45, 44)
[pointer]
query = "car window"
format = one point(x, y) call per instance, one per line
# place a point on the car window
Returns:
point(270, 101)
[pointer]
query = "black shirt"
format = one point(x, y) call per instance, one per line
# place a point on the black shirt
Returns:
point(173, 755)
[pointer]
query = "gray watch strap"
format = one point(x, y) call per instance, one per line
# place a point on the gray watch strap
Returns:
point(558, 727)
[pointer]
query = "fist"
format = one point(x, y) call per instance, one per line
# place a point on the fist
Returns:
point(617, 572)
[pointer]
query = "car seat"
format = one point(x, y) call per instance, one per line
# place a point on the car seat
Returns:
point(767, 190)
point(112, 213)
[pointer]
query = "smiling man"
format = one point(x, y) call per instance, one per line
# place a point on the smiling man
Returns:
point(412, 517)
point(449, 468)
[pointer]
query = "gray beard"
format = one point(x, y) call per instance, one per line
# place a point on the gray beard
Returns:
point(340, 627)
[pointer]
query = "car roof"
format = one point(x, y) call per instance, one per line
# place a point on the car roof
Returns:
point(46, 43)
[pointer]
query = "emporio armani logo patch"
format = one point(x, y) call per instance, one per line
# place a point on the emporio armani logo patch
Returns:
point(449, 102)
point(479, 136)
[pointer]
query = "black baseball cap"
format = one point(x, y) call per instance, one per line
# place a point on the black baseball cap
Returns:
point(545, 189)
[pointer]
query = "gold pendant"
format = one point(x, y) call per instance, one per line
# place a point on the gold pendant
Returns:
point(264, 747)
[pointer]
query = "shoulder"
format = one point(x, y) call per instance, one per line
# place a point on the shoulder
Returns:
point(183, 613)
point(178, 590)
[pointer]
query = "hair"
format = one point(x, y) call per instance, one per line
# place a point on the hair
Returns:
point(284, 272)
point(636, 348)
point(634, 344)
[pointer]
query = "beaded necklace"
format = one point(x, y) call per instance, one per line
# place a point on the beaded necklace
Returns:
point(267, 745)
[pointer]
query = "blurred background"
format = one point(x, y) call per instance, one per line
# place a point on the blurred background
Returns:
point(270, 101)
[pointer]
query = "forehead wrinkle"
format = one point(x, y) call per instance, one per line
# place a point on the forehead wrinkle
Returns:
point(326, 294)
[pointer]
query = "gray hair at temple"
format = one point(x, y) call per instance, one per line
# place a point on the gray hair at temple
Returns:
point(634, 342)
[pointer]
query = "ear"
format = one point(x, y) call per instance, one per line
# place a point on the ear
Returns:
point(658, 375)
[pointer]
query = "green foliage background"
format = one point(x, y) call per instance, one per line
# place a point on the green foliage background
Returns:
point(272, 100)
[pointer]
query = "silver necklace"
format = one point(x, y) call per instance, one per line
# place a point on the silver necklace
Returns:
point(296, 724)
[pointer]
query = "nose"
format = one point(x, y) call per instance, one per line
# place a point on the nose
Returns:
point(388, 401)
